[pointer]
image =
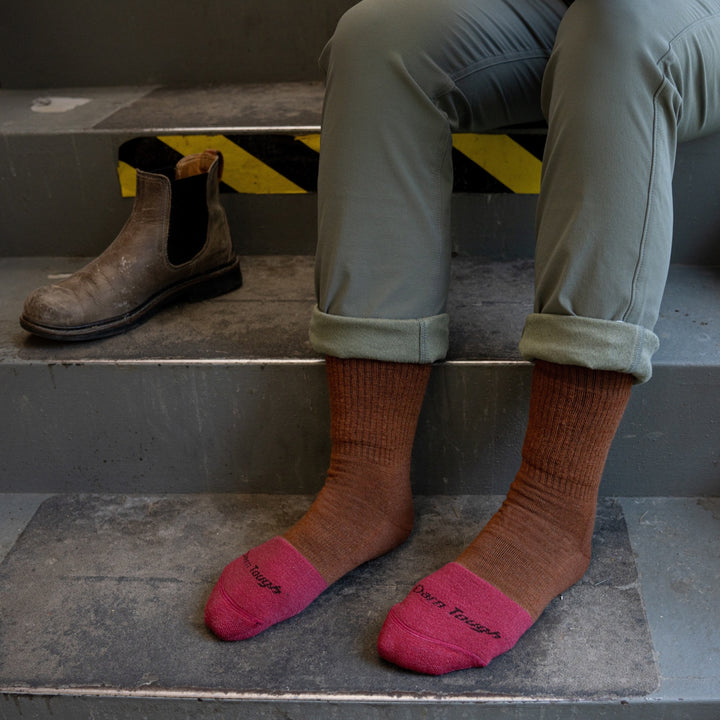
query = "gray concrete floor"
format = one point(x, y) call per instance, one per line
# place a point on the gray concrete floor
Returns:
point(677, 551)
point(677, 546)
point(268, 316)
point(16, 510)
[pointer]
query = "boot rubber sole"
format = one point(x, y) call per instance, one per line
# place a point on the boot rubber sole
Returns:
point(201, 287)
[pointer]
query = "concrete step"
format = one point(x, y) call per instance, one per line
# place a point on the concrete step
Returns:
point(101, 603)
point(61, 193)
point(227, 395)
point(49, 44)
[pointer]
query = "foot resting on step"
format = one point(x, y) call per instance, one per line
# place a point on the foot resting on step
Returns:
point(262, 587)
point(535, 547)
point(363, 511)
point(451, 620)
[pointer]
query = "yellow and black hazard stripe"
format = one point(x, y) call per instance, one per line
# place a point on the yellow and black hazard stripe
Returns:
point(497, 163)
point(287, 164)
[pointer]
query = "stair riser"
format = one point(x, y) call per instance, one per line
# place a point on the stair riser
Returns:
point(72, 205)
point(169, 42)
point(153, 428)
point(61, 196)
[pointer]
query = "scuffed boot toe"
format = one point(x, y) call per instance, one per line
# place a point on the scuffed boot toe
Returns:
point(51, 310)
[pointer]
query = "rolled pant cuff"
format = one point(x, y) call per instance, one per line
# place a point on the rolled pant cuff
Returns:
point(424, 340)
point(591, 343)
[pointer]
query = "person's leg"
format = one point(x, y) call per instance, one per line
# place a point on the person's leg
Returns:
point(401, 75)
point(626, 80)
point(365, 508)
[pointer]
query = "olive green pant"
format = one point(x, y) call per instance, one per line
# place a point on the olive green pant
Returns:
point(619, 82)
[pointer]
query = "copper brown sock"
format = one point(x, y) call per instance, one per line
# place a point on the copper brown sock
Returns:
point(363, 511)
point(538, 543)
point(535, 547)
point(365, 508)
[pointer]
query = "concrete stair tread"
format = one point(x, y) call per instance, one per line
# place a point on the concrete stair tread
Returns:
point(267, 318)
point(127, 576)
point(143, 110)
point(293, 107)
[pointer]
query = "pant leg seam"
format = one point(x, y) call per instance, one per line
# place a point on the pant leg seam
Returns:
point(687, 29)
point(648, 208)
point(664, 85)
point(494, 62)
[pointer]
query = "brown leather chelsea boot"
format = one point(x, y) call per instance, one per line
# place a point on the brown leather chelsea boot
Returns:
point(174, 246)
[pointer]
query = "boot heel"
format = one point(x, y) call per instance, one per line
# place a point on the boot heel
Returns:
point(218, 282)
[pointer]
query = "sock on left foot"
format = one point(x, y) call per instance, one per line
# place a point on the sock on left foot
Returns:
point(536, 546)
point(451, 620)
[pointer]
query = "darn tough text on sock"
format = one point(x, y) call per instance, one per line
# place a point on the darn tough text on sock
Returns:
point(262, 580)
point(455, 612)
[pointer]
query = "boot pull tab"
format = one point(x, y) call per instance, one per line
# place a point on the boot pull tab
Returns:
point(199, 164)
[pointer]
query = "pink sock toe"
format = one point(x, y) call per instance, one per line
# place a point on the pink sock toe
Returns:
point(451, 620)
point(266, 585)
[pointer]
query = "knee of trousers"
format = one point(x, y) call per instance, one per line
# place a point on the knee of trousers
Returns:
point(606, 51)
point(378, 43)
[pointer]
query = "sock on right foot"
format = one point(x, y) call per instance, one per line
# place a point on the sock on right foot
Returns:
point(265, 586)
